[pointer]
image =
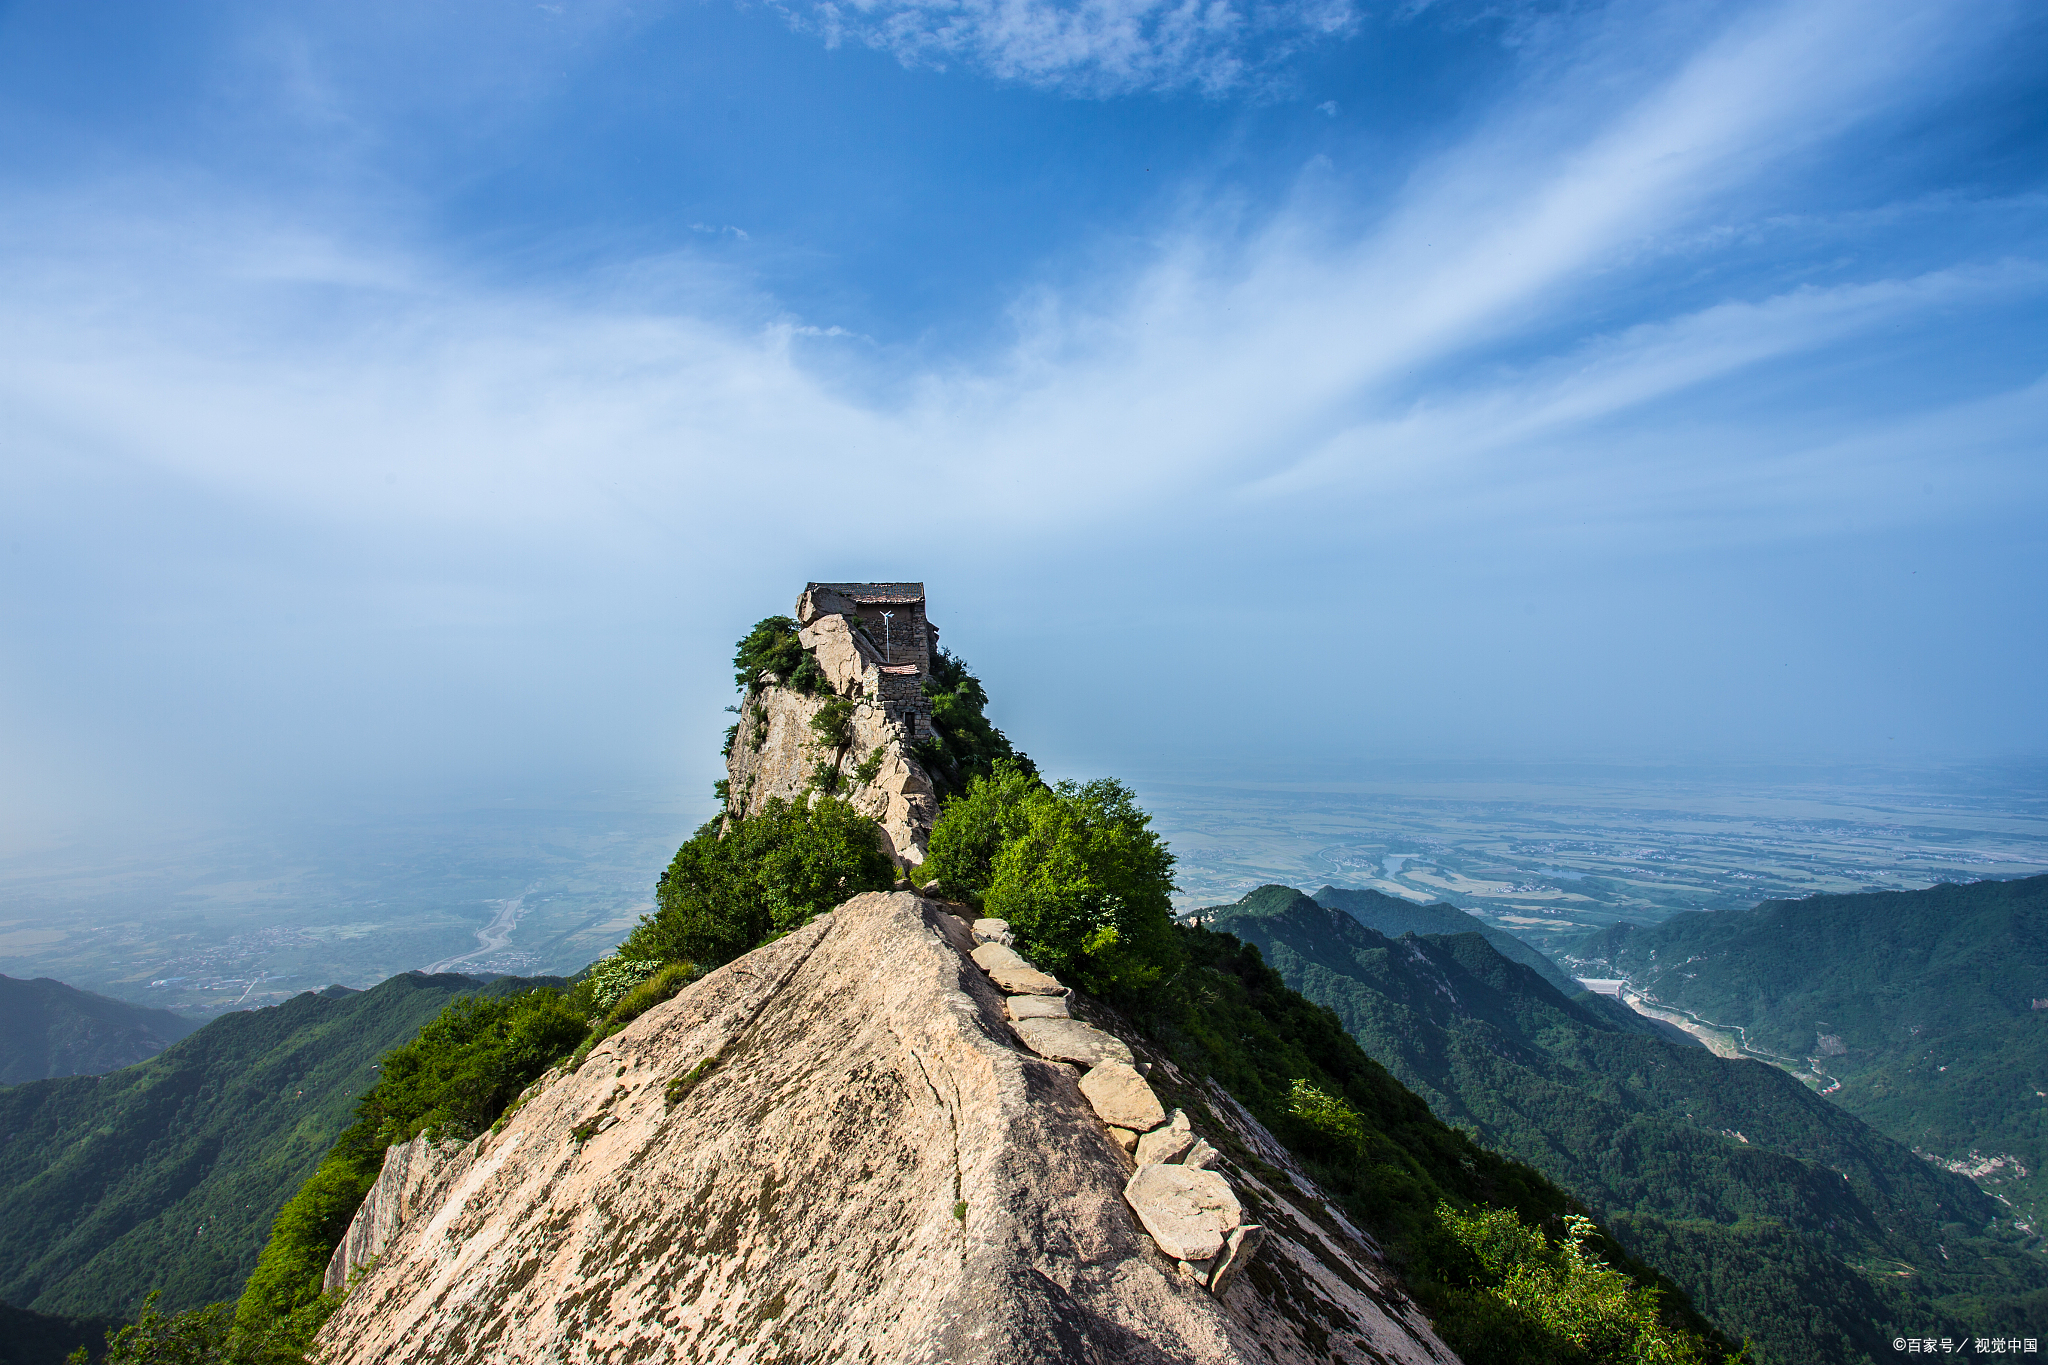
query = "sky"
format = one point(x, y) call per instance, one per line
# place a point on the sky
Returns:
point(403, 398)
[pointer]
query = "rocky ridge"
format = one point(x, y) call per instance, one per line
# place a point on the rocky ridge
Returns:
point(835, 1148)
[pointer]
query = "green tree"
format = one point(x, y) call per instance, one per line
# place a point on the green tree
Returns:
point(723, 895)
point(963, 744)
point(1075, 868)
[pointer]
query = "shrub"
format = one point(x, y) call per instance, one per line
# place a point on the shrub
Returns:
point(610, 978)
point(770, 872)
point(663, 985)
point(1076, 870)
point(834, 722)
point(772, 646)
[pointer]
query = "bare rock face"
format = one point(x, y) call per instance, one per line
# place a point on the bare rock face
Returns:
point(777, 752)
point(834, 1149)
point(411, 1171)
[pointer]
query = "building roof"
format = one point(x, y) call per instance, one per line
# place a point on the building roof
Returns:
point(876, 594)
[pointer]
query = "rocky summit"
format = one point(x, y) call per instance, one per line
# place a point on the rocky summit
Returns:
point(840, 1147)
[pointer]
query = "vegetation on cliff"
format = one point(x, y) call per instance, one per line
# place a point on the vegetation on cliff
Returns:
point(772, 646)
point(1228, 1016)
point(1075, 868)
point(737, 882)
point(964, 745)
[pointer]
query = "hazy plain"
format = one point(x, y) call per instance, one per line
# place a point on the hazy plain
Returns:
point(1549, 853)
point(207, 921)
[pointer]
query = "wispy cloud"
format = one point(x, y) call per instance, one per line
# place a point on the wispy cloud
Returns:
point(310, 365)
point(1088, 47)
point(1496, 354)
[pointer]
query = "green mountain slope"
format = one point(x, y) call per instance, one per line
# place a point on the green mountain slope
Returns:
point(1784, 1218)
point(28, 1338)
point(1929, 1007)
point(167, 1174)
point(50, 1029)
point(1393, 916)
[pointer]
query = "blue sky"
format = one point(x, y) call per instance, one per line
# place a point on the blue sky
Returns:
point(400, 397)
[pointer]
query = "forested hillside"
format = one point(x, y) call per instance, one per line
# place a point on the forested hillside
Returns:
point(50, 1029)
point(1929, 1007)
point(167, 1174)
point(1786, 1219)
point(1393, 916)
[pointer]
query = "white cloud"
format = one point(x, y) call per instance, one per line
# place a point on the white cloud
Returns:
point(309, 368)
point(1092, 47)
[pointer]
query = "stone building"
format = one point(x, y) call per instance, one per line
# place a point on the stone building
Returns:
point(895, 640)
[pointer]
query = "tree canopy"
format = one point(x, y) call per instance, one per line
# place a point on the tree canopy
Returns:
point(724, 895)
point(1075, 868)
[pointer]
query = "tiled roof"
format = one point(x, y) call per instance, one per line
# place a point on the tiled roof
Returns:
point(875, 594)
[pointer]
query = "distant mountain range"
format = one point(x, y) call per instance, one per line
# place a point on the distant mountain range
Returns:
point(1930, 1008)
point(50, 1029)
point(1393, 916)
point(167, 1174)
point(1787, 1219)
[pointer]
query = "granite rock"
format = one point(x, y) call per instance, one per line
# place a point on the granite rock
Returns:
point(1036, 1007)
point(1121, 1098)
point(1166, 1143)
point(1070, 1040)
point(1244, 1244)
point(1189, 1213)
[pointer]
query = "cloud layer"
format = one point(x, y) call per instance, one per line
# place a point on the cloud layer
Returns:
point(318, 454)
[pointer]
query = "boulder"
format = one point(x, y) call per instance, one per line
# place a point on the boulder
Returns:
point(1166, 1143)
point(990, 956)
point(1124, 1138)
point(817, 602)
point(1189, 1213)
point(1070, 1040)
point(1201, 1156)
point(1244, 1244)
point(1036, 1007)
point(1025, 981)
point(1121, 1098)
point(993, 931)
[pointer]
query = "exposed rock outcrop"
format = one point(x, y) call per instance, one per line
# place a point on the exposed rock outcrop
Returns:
point(836, 1148)
point(777, 751)
point(411, 1171)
